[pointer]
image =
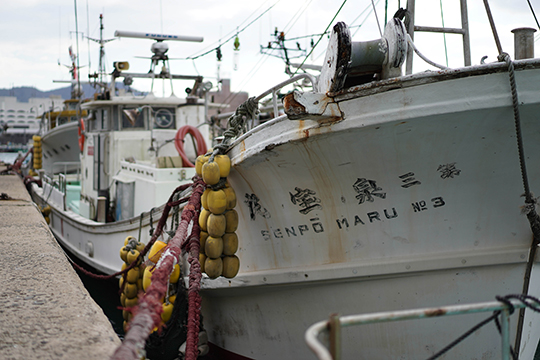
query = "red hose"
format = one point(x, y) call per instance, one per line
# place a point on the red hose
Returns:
point(179, 143)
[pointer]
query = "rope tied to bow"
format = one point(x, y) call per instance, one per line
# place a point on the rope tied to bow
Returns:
point(236, 125)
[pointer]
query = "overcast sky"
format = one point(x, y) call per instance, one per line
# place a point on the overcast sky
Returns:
point(35, 35)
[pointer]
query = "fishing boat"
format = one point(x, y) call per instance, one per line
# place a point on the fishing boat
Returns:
point(59, 129)
point(397, 193)
point(123, 154)
point(375, 191)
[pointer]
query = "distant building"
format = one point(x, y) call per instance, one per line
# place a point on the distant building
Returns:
point(19, 121)
point(229, 100)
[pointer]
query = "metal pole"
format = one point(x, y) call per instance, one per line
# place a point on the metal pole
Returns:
point(505, 334)
point(410, 30)
point(493, 29)
point(335, 336)
point(466, 40)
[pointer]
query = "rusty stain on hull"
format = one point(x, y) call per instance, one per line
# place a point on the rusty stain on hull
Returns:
point(293, 107)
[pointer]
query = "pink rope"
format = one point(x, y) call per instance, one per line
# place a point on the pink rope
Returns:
point(146, 315)
point(194, 298)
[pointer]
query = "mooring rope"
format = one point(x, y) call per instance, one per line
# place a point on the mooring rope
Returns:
point(237, 124)
point(192, 245)
point(159, 230)
point(147, 313)
point(530, 202)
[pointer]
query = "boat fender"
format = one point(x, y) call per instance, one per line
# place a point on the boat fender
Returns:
point(132, 256)
point(37, 152)
point(231, 265)
point(133, 275)
point(130, 282)
point(202, 259)
point(175, 275)
point(216, 201)
point(224, 163)
point(216, 225)
point(231, 196)
point(199, 162)
point(203, 218)
point(167, 311)
point(214, 247)
point(213, 267)
point(156, 250)
point(147, 277)
point(46, 211)
point(81, 135)
point(210, 173)
point(202, 239)
point(231, 219)
point(230, 244)
point(218, 220)
point(204, 198)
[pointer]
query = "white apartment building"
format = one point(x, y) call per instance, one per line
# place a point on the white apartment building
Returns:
point(23, 118)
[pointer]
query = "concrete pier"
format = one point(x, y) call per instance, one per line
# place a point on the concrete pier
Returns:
point(45, 311)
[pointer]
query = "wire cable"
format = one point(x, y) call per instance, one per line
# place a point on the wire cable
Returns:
point(296, 16)
point(532, 10)
point(233, 36)
point(320, 38)
point(444, 34)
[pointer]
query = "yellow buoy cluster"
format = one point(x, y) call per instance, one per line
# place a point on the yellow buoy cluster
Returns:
point(37, 152)
point(218, 219)
point(134, 277)
point(154, 255)
point(46, 212)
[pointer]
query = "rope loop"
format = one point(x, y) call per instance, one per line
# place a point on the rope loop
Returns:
point(505, 300)
point(236, 124)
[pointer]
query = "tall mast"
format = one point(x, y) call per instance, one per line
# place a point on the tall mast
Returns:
point(101, 69)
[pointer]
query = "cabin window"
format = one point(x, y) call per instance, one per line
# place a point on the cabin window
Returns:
point(133, 124)
point(164, 119)
point(99, 120)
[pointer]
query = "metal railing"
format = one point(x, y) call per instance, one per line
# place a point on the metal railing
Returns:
point(332, 327)
point(273, 90)
point(72, 166)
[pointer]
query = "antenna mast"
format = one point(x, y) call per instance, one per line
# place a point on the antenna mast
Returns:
point(101, 69)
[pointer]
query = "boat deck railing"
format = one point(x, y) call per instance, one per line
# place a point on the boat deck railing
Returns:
point(273, 90)
point(55, 190)
point(332, 327)
point(67, 167)
point(58, 190)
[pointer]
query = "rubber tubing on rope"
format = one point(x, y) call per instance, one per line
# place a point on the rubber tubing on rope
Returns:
point(179, 143)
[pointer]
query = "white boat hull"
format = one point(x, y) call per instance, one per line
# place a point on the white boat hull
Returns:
point(411, 200)
point(61, 149)
point(96, 244)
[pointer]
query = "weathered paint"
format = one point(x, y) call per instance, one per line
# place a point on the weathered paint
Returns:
point(411, 200)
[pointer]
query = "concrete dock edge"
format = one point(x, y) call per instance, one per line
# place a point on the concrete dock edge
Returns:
point(45, 311)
